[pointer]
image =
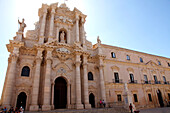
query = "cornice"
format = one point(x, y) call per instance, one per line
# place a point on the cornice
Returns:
point(135, 64)
point(133, 51)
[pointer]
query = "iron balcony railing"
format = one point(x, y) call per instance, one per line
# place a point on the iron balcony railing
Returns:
point(133, 81)
point(146, 82)
point(117, 81)
point(157, 82)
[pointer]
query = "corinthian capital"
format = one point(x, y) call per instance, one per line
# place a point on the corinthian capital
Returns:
point(14, 57)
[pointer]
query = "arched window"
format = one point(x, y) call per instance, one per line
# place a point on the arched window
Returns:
point(90, 76)
point(25, 71)
point(113, 55)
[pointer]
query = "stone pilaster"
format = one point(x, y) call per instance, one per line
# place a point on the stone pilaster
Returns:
point(79, 105)
point(50, 38)
point(47, 83)
point(43, 22)
point(86, 96)
point(35, 89)
point(10, 79)
point(68, 35)
point(77, 28)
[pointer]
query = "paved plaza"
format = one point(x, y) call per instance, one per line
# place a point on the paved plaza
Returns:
point(156, 110)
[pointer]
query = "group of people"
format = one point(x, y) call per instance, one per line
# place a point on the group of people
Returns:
point(102, 103)
point(12, 110)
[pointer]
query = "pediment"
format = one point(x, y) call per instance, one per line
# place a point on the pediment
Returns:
point(151, 63)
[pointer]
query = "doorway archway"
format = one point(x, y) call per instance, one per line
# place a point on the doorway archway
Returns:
point(160, 99)
point(92, 100)
point(21, 100)
point(60, 93)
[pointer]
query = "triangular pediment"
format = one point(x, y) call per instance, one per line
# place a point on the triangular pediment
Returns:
point(151, 63)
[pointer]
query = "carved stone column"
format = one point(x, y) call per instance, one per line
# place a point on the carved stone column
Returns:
point(86, 95)
point(77, 28)
point(102, 85)
point(52, 96)
point(43, 22)
point(79, 105)
point(68, 36)
point(10, 79)
point(35, 89)
point(47, 82)
point(82, 31)
point(50, 38)
point(57, 33)
point(68, 96)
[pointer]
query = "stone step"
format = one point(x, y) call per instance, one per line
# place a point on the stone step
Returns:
point(93, 110)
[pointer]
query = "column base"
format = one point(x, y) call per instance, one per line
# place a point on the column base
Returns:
point(46, 107)
point(87, 106)
point(79, 106)
point(68, 106)
point(34, 108)
point(52, 107)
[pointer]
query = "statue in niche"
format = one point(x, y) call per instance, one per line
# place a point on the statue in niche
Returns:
point(62, 37)
point(98, 40)
point(22, 25)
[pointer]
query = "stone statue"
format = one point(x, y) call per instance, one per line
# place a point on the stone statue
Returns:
point(22, 26)
point(98, 40)
point(62, 37)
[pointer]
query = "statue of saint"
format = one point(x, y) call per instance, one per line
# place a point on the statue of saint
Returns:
point(62, 37)
point(98, 40)
point(22, 26)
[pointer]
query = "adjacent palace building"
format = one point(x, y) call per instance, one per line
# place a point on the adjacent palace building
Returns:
point(55, 67)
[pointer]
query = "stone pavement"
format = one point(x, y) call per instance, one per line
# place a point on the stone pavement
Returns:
point(156, 110)
point(94, 110)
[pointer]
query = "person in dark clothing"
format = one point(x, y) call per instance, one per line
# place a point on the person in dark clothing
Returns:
point(131, 107)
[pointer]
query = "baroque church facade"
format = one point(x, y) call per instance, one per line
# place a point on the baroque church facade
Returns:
point(55, 67)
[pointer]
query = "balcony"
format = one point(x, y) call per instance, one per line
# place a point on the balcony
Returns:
point(167, 82)
point(157, 82)
point(133, 82)
point(146, 82)
point(117, 81)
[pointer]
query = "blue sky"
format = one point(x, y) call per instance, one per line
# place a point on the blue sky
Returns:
point(141, 25)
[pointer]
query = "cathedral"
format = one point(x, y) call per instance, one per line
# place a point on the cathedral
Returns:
point(54, 66)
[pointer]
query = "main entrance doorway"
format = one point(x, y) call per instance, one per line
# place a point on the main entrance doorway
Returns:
point(160, 98)
point(21, 100)
point(60, 93)
point(92, 100)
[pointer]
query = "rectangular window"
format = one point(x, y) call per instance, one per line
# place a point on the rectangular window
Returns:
point(169, 64)
point(159, 63)
point(146, 79)
point(141, 60)
point(169, 95)
point(131, 78)
point(164, 79)
point(150, 98)
point(119, 98)
point(116, 77)
point(135, 97)
point(155, 79)
point(128, 57)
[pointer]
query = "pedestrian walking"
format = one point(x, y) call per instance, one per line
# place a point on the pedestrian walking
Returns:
point(131, 107)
